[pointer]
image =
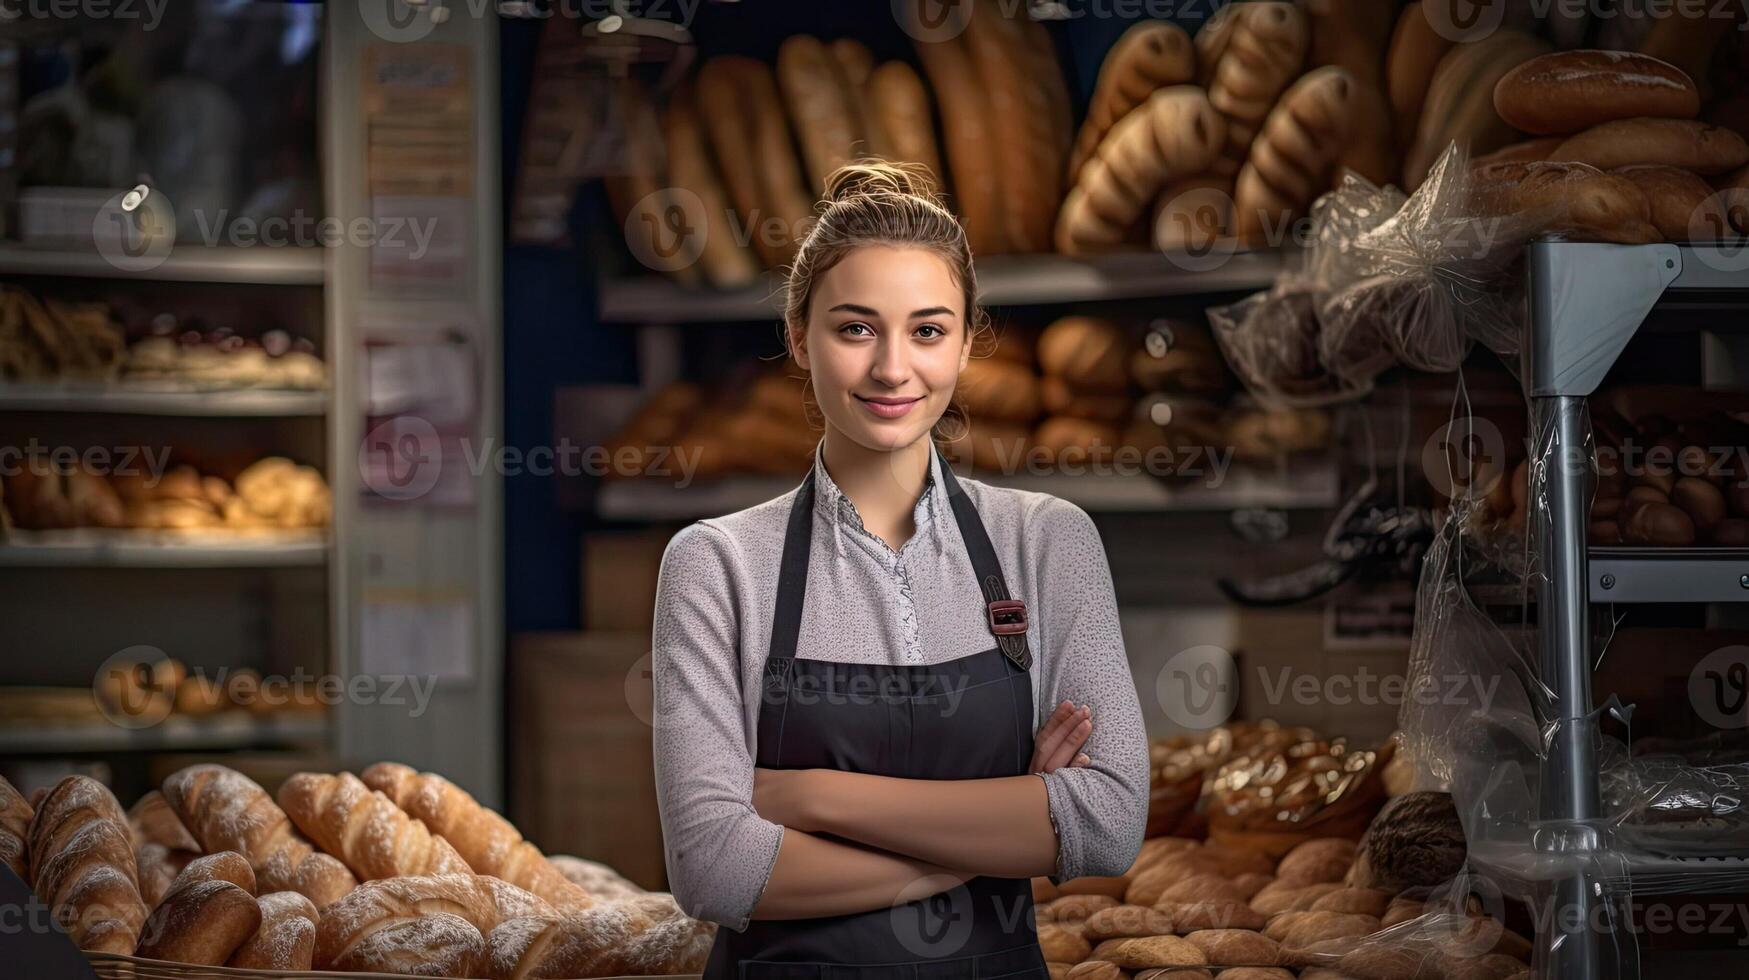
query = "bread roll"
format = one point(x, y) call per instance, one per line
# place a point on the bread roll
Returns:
point(1659, 524)
point(1683, 143)
point(969, 130)
point(82, 865)
point(227, 811)
point(1089, 352)
point(490, 844)
point(726, 263)
point(1357, 901)
point(1295, 155)
point(1193, 215)
point(365, 829)
point(1566, 92)
point(1261, 48)
point(1415, 52)
point(94, 501)
point(1120, 921)
point(224, 866)
point(1460, 101)
point(1062, 398)
point(1151, 55)
point(1317, 861)
point(417, 925)
point(1683, 207)
point(1144, 952)
point(1235, 947)
point(15, 816)
point(202, 920)
point(1172, 136)
point(1071, 443)
point(512, 902)
point(286, 938)
point(901, 108)
point(1564, 196)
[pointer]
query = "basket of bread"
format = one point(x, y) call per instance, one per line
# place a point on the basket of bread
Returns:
point(1335, 884)
point(391, 872)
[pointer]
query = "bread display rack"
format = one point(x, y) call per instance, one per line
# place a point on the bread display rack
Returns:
point(109, 966)
point(1586, 302)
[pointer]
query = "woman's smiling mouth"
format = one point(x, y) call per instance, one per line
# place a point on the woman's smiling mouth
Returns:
point(888, 407)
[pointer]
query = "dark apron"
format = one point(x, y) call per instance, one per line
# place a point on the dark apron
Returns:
point(898, 721)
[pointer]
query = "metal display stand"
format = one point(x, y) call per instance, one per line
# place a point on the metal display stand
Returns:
point(1586, 302)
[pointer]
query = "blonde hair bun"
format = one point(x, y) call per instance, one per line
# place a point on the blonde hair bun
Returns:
point(880, 178)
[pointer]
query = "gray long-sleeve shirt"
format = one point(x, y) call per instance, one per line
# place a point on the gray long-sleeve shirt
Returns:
point(869, 604)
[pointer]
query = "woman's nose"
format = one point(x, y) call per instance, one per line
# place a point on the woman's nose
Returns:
point(892, 364)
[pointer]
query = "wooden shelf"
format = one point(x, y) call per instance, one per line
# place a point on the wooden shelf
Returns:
point(265, 266)
point(230, 730)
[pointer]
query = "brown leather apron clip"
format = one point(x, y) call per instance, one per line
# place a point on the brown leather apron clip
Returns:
point(1008, 617)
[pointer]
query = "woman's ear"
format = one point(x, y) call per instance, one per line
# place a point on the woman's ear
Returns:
point(798, 346)
point(966, 352)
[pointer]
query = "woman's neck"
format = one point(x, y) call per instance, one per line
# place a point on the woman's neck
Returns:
point(883, 484)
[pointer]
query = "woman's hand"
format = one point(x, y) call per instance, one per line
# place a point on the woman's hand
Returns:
point(1059, 743)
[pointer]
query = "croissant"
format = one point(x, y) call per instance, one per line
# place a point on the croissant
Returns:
point(364, 828)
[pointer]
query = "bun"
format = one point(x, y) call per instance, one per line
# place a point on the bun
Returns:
point(1569, 91)
point(1317, 861)
point(82, 864)
point(15, 816)
point(201, 921)
point(873, 178)
point(490, 844)
point(286, 938)
point(365, 829)
point(227, 811)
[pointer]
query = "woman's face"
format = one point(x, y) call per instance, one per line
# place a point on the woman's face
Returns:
point(886, 340)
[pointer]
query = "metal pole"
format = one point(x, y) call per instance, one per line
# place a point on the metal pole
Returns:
point(1569, 776)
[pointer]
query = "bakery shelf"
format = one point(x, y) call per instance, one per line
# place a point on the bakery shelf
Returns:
point(230, 730)
point(100, 548)
point(122, 399)
point(186, 263)
point(1634, 575)
point(1312, 485)
point(1005, 280)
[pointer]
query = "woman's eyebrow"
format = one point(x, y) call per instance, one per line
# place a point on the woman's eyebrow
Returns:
point(866, 311)
point(931, 311)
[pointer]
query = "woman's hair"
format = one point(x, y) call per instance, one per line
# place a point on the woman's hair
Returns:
point(874, 202)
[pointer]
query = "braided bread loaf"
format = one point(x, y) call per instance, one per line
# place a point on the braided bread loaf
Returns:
point(640, 936)
point(1259, 49)
point(82, 865)
point(431, 925)
point(227, 811)
point(1151, 55)
point(365, 829)
point(489, 843)
point(1293, 158)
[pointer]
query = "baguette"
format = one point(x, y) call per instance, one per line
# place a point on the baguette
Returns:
point(1176, 134)
point(1684, 143)
point(1149, 56)
point(202, 920)
point(15, 815)
point(153, 822)
point(489, 843)
point(365, 829)
point(750, 138)
point(808, 79)
point(726, 264)
point(969, 130)
point(854, 67)
point(1028, 162)
point(1264, 50)
point(82, 864)
point(1295, 155)
point(431, 925)
point(227, 811)
point(636, 191)
point(1416, 50)
point(286, 938)
point(901, 109)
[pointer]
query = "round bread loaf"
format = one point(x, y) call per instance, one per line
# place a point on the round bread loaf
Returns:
point(1569, 91)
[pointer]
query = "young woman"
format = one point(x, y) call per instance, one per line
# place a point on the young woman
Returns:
point(857, 764)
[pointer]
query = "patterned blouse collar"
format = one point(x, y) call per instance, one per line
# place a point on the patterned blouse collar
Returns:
point(834, 505)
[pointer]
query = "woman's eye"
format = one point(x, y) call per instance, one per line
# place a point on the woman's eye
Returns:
point(854, 328)
point(929, 331)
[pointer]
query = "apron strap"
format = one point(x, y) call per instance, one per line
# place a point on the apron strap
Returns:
point(1005, 615)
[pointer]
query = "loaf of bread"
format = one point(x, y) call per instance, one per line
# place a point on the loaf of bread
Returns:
point(365, 829)
point(726, 264)
point(286, 938)
point(902, 111)
point(1028, 160)
point(1352, 35)
point(969, 131)
point(1566, 92)
point(15, 816)
point(82, 865)
point(1528, 151)
point(432, 925)
point(1235, 947)
point(1684, 143)
point(1146, 952)
point(1564, 197)
point(634, 183)
point(1173, 136)
point(1294, 157)
point(1150, 55)
point(1683, 207)
point(807, 78)
point(490, 844)
point(208, 913)
point(1415, 52)
point(1090, 352)
point(997, 390)
point(639, 936)
point(1193, 215)
point(600, 881)
point(749, 135)
point(1261, 49)
point(1460, 101)
point(854, 66)
point(1317, 861)
point(153, 822)
point(227, 811)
